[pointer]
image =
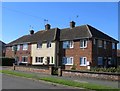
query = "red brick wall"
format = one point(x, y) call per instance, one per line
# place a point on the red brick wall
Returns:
point(101, 52)
point(19, 53)
point(78, 52)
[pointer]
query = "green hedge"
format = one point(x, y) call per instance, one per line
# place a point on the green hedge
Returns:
point(111, 69)
point(6, 61)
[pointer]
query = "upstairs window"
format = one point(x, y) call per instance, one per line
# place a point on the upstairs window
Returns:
point(25, 46)
point(67, 60)
point(48, 44)
point(104, 44)
point(14, 48)
point(68, 44)
point(39, 45)
point(83, 43)
point(99, 43)
point(18, 47)
point(83, 61)
point(113, 45)
point(94, 41)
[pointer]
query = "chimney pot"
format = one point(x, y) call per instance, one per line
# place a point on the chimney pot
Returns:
point(31, 32)
point(47, 26)
point(72, 24)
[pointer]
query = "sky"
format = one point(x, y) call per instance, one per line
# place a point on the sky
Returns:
point(17, 17)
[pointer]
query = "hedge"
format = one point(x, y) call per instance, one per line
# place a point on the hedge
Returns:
point(6, 61)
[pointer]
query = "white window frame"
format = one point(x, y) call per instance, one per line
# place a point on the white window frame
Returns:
point(84, 43)
point(100, 45)
point(39, 60)
point(67, 59)
point(49, 44)
point(70, 44)
point(84, 61)
point(105, 44)
point(25, 48)
point(94, 41)
point(101, 63)
point(18, 47)
point(113, 45)
point(51, 60)
point(12, 48)
point(23, 61)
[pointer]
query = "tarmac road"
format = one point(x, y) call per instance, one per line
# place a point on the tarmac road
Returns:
point(13, 82)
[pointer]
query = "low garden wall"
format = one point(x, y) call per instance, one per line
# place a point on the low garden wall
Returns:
point(89, 74)
point(45, 70)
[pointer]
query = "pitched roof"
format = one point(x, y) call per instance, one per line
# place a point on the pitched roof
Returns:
point(40, 36)
point(44, 35)
point(2, 44)
point(78, 32)
point(74, 33)
point(98, 34)
point(20, 40)
point(84, 31)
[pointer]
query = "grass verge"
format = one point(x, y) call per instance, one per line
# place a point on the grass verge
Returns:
point(89, 86)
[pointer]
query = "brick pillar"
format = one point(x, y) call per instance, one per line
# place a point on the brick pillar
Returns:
point(59, 71)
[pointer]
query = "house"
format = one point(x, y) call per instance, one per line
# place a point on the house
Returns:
point(85, 46)
point(44, 46)
point(80, 47)
point(2, 49)
point(36, 48)
point(20, 49)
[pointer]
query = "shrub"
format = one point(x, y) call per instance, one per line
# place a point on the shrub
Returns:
point(6, 61)
point(73, 67)
point(111, 69)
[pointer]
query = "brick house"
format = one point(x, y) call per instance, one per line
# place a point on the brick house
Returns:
point(81, 47)
point(36, 48)
point(2, 49)
point(85, 47)
point(20, 49)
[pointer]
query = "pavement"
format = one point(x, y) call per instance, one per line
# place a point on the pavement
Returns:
point(81, 79)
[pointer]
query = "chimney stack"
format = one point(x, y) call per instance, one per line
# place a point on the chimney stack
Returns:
point(31, 32)
point(72, 24)
point(47, 26)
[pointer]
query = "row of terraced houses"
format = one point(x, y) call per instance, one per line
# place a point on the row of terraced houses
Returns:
point(82, 46)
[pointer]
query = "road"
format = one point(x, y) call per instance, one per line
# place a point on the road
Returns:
point(13, 82)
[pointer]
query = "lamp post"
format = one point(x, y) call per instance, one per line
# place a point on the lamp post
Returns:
point(14, 50)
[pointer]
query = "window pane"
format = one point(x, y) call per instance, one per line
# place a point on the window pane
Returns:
point(100, 60)
point(99, 43)
point(113, 45)
point(25, 46)
point(65, 44)
point(81, 43)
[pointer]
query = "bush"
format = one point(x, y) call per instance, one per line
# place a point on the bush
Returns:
point(111, 69)
point(6, 61)
point(73, 67)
